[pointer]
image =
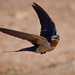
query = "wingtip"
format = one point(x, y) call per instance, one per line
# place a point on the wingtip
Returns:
point(1, 29)
point(34, 4)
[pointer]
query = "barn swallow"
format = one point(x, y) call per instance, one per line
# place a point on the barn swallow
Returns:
point(48, 38)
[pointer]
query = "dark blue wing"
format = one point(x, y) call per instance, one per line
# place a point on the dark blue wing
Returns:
point(47, 25)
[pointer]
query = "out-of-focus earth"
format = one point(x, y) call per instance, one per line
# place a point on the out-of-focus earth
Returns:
point(19, 15)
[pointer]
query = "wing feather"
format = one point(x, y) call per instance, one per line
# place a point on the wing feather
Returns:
point(47, 25)
point(34, 39)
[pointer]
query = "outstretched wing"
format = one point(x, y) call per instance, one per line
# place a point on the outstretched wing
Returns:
point(47, 25)
point(34, 39)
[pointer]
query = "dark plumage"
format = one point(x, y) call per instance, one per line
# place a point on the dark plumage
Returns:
point(47, 25)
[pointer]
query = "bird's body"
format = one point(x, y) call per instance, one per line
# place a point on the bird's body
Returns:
point(47, 40)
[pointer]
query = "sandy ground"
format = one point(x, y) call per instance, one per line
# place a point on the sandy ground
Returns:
point(19, 15)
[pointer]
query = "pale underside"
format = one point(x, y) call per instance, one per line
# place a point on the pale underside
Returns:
point(44, 48)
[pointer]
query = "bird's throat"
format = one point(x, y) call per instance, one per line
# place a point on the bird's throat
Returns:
point(54, 43)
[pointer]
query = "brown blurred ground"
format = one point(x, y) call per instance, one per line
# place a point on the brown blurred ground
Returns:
point(19, 15)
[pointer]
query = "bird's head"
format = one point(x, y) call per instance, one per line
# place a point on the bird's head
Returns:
point(54, 40)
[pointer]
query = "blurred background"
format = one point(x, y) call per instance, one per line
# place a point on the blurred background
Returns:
point(19, 15)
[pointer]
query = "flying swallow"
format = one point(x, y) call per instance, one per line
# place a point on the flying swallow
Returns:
point(48, 38)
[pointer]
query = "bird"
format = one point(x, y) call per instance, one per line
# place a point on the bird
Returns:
point(48, 38)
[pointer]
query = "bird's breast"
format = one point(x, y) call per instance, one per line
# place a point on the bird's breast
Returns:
point(44, 48)
point(54, 43)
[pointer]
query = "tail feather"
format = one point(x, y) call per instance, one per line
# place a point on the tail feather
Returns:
point(32, 49)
